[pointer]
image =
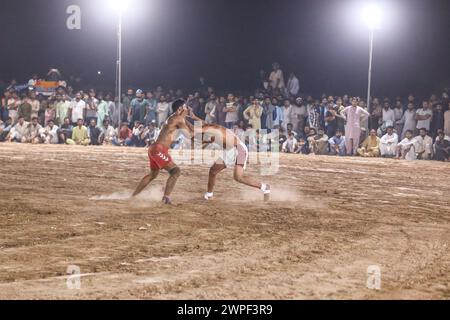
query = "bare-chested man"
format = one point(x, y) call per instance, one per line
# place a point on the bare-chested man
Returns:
point(158, 153)
point(235, 153)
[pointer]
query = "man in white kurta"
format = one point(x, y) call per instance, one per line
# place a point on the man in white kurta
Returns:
point(388, 143)
point(408, 120)
point(424, 145)
point(353, 116)
point(406, 149)
point(49, 134)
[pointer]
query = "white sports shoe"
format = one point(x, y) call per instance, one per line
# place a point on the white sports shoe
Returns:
point(208, 196)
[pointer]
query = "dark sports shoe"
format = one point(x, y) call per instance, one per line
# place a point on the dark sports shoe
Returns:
point(166, 200)
point(267, 193)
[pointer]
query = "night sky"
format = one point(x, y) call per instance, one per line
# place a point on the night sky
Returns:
point(173, 42)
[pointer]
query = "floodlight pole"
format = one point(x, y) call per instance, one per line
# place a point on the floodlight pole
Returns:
point(119, 66)
point(370, 70)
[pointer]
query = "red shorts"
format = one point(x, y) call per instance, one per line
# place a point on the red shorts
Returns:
point(159, 157)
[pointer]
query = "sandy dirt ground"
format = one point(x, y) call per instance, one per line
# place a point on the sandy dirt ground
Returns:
point(329, 220)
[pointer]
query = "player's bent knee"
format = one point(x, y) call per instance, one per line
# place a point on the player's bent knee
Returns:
point(175, 172)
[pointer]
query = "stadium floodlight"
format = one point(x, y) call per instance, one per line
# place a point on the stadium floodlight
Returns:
point(120, 6)
point(372, 18)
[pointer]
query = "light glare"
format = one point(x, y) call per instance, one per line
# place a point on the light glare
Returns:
point(119, 5)
point(372, 17)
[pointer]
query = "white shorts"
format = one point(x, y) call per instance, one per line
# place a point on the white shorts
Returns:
point(235, 156)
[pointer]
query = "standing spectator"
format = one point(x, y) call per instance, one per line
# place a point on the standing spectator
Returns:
point(371, 146)
point(117, 112)
point(353, 115)
point(424, 145)
point(423, 116)
point(398, 113)
point(288, 114)
point(447, 121)
point(91, 107)
point(94, 133)
point(79, 135)
point(376, 115)
point(293, 85)
point(253, 114)
point(4, 106)
point(298, 114)
point(388, 118)
point(388, 143)
point(77, 109)
point(437, 122)
point(62, 109)
point(35, 104)
point(408, 120)
point(210, 109)
point(139, 106)
point(276, 77)
point(330, 120)
point(220, 111)
point(50, 112)
point(314, 115)
point(126, 103)
point(162, 110)
point(151, 109)
point(13, 104)
point(337, 144)
point(49, 134)
point(25, 110)
point(232, 112)
point(102, 110)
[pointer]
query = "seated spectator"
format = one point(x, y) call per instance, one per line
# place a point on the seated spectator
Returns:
point(371, 146)
point(124, 137)
point(442, 148)
point(151, 134)
point(32, 134)
point(5, 128)
point(318, 144)
point(49, 134)
point(406, 149)
point(94, 133)
point(337, 144)
point(302, 146)
point(291, 144)
point(108, 133)
point(79, 135)
point(388, 143)
point(424, 145)
point(138, 131)
point(65, 132)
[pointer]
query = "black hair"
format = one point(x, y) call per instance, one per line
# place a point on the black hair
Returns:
point(177, 104)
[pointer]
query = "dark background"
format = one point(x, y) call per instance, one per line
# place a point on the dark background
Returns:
point(173, 42)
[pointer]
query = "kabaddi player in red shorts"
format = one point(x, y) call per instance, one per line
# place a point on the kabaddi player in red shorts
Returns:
point(158, 152)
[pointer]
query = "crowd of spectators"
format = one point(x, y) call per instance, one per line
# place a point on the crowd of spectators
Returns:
point(329, 125)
